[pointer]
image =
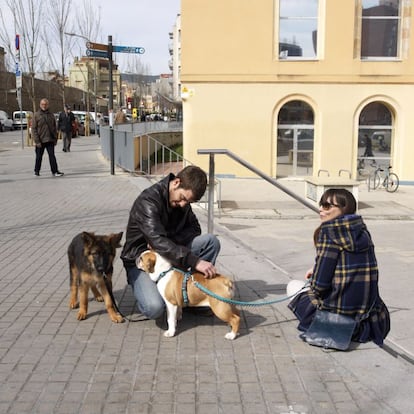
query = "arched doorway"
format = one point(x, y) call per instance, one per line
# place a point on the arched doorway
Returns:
point(375, 134)
point(295, 139)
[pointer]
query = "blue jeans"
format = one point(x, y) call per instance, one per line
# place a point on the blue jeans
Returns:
point(149, 301)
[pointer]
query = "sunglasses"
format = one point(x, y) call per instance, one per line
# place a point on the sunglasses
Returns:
point(326, 205)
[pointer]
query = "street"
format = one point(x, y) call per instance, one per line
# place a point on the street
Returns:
point(12, 139)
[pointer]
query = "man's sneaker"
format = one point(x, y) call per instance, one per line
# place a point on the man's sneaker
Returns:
point(58, 174)
point(36, 174)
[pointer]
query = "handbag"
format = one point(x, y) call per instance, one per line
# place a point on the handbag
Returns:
point(330, 330)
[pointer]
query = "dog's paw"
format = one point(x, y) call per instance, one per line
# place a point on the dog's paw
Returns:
point(169, 334)
point(99, 298)
point(117, 318)
point(230, 335)
point(81, 315)
point(73, 304)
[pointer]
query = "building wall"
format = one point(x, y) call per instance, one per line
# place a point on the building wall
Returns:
point(237, 84)
point(82, 76)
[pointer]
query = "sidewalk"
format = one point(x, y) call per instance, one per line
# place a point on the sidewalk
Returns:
point(52, 363)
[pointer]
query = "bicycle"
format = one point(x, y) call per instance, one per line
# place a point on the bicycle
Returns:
point(389, 180)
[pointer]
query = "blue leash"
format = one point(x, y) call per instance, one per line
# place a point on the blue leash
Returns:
point(188, 275)
point(240, 303)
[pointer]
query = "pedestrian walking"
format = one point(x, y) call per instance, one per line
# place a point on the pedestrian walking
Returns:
point(44, 133)
point(65, 125)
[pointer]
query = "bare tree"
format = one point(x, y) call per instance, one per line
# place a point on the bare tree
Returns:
point(28, 20)
point(59, 22)
point(88, 20)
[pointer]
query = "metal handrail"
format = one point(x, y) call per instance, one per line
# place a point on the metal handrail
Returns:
point(213, 152)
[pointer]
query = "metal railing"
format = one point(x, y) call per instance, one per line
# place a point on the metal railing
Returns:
point(136, 151)
point(156, 158)
point(125, 137)
point(213, 152)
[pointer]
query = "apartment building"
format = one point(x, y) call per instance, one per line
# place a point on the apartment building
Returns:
point(298, 87)
point(92, 76)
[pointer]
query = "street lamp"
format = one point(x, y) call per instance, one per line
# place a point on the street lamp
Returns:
point(94, 72)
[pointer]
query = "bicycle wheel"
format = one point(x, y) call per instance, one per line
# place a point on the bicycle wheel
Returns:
point(392, 183)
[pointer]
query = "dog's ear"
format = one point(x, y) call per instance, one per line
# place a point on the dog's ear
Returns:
point(151, 263)
point(115, 239)
point(88, 238)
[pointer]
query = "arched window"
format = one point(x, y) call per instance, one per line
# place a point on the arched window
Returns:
point(295, 139)
point(374, 135)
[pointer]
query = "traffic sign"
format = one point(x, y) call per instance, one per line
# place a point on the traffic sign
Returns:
point(96, 46)
point(96, 53)
point(128, 49)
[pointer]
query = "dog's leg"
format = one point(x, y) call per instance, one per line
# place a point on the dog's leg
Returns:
point(171, 319)
point(74, 282)
point(234, 323)
point(227, 313)
point(97, 294)
point(114, 316)
point(83, 300)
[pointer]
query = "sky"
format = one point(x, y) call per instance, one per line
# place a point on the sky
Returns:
point(141, 23)
point(138, 23)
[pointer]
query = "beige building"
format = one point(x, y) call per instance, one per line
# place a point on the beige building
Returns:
point(92, 76)
point(299, 87)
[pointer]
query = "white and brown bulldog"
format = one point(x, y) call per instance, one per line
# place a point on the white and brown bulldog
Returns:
point(169, 283)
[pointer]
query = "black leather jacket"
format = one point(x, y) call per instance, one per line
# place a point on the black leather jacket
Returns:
point(167, 230)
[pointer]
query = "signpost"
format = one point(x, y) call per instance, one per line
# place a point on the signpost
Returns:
point(96, 53)
point(128, 49)
point(19, 83)
point(101, 50)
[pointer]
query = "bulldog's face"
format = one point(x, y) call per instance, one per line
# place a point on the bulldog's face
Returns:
point(146, 261)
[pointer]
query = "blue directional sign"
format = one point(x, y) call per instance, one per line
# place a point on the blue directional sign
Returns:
point(128, 49)
point(96, 53)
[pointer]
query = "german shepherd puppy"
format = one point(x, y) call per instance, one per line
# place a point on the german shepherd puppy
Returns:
point(90, 261)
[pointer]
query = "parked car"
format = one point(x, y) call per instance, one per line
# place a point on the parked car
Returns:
point(5, 121)
point(20, 118)
point(81, 115)
point(77, 128)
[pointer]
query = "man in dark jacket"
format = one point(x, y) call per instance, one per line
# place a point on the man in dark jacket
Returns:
point(45, 136)
point(161, 217)
point(65, 124)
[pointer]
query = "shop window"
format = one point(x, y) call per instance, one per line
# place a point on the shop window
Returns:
point(295, 139)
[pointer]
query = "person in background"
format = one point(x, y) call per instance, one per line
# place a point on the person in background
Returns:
point(44, 134)
point(98, 124)
point(344, 279)
point(65, 125)
point(120, 117)
point(161, 217)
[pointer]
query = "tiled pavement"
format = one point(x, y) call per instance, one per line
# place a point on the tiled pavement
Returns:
point(52, 363)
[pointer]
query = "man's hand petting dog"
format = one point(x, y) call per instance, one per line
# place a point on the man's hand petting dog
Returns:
point(206, 268)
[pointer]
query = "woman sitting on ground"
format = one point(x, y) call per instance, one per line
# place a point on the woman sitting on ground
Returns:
point(344, 279)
